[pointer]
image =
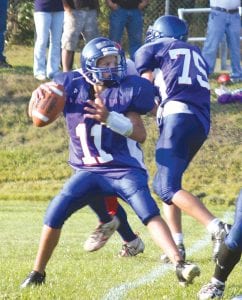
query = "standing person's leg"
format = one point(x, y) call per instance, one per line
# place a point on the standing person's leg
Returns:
point(54, 55)
point(214, 36)
point(3, 26)
point(42, 22)
point(117, 23)
point(73, 26)
point(233, 37)
point(90, 28)
point(135, 30)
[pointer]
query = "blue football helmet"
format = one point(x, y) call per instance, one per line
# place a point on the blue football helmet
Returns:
point(167, 26)
point(96, 49)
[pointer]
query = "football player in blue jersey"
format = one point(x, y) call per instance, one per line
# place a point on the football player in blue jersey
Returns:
point(132, 243)
point(229, 255)
point(102, 113)
point(180, 75)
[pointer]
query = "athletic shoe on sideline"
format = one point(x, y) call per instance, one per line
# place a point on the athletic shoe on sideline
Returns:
point(165, 259)
point(101, 235)
point(211, 291)
point(5, 65)
point(132, 248)
point(34, 278)
point(218, 238)
point(186, 272)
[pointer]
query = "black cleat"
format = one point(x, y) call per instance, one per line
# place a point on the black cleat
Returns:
point(34, 278)
point(218, 238)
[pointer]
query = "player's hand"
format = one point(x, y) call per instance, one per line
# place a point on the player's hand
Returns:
point(39, 93)
point(96, 110)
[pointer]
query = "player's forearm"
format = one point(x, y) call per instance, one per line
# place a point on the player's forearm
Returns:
point(139, 132)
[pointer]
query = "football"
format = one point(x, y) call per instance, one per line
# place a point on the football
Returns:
point(46, 109)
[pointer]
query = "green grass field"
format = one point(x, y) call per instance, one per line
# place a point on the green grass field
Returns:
point(32, 169)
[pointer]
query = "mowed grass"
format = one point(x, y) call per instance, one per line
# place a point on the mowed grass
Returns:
point(33, 167)
point(74, 274)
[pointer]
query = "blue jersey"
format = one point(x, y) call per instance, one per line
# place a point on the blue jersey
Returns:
point(93, 145)
point(181, 74)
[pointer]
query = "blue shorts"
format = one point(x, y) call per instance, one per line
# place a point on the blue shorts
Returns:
point(132, 187)
point(181, 136)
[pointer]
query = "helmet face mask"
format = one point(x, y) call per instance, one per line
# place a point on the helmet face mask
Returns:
point(104, 75)
point(167, 26)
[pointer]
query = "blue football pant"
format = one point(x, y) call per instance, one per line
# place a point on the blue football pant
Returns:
point(181, 136)
point(132, 187)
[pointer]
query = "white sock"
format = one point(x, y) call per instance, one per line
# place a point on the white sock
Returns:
point(213, 225)
point(178, 238)
point(216, 281)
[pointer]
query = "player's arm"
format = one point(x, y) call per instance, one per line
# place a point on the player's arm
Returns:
point(129, 125)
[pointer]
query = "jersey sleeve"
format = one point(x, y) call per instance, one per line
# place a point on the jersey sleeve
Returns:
point(145, 59)
point(144, 96)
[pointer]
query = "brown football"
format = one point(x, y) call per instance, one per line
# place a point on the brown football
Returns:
point(47, 109)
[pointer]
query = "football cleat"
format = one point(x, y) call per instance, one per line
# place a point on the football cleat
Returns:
point(211, 291)
point(218, 237)
point(186, 272)
point(34, 278)
point(101, 235)
point(132, 248)
point(165, 259)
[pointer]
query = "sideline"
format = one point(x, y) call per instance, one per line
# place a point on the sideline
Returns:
point(118, 292)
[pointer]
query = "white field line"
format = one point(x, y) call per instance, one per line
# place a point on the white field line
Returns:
point(118, 292)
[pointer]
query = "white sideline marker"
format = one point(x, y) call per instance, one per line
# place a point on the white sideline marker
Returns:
point(118, 292)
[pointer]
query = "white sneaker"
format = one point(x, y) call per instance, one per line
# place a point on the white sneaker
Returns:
point(132, 248)
point(186, 272)
point(101, 235)
point(211, 291)
point(40, 77)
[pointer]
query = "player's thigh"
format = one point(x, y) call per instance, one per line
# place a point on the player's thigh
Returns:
point(133, 188)
point(180, 138)
point(74, 195)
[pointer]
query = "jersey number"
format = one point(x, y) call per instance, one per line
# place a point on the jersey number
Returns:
point(96, 132)
point(198, 62)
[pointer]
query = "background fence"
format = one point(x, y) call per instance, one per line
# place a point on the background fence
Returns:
point(21, 25)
